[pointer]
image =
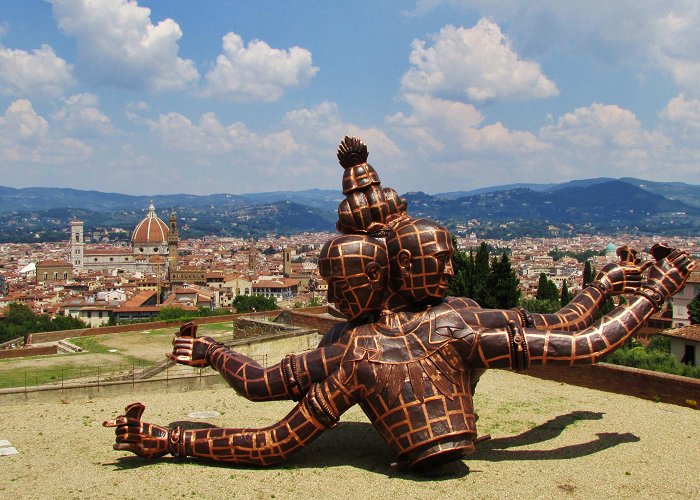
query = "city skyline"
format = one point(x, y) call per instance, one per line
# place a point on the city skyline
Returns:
point(157, 97)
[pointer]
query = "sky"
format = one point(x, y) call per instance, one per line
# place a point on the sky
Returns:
point(221, 96)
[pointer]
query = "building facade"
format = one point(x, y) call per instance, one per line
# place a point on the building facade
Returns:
point(152, 248)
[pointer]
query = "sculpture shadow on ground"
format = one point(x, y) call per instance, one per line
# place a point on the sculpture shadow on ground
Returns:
point(357, 444)
point(496, 450)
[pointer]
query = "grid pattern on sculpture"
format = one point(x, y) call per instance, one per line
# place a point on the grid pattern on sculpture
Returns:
point(407, 422)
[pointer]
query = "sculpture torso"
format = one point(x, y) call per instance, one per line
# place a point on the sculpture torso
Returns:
point(417, 389)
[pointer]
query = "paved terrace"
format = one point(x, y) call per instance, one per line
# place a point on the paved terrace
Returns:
point(550, 440)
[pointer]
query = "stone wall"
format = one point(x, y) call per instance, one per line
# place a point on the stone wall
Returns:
point(309, 320)
point(28, 351)
point(89, 332)
point(646, 384)
point(134, 327)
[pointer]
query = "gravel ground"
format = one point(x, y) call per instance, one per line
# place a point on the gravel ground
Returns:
point(550, 440)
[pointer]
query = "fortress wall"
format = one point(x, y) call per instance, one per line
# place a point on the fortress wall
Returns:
point(645, 384)
point(88, 332)
point(28, 351)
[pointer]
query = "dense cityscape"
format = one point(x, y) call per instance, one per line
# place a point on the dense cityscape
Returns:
point(94, 279)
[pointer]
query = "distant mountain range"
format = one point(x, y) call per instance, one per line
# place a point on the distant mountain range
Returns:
point(679, 191)
point(590, 205)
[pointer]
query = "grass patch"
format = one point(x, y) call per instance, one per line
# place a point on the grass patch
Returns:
point(90, 344)
point(32, 377)
point(226, 327)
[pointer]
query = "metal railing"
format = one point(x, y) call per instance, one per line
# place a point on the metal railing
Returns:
point(105, 375)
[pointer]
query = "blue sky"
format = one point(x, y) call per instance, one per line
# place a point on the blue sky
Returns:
point(211, 96)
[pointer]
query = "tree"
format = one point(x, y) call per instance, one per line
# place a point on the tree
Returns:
point(461, 284)
point(250, 303)
point(20, 321)
point(482, 268)
point(588, 275)
point(67, 323)
point(546, 289)
point(694, 310)
point(565, 297)
point(540, 306)
point(174, 313)
point(502, 285)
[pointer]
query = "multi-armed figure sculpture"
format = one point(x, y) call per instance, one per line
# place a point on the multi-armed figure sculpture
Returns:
point(408, 355)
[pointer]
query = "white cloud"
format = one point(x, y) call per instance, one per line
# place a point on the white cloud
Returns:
point(25, 138)
point(299, 154)
point(676, 46)
point(118, 45)
point(662, 33)
point(683, 112)
point(680, 119)
point(80, 115)
point(606, 140)
point(318, 131)
point(257, 72)
point(210, 138)
point(39, 73)
point(439, 125)
point(478, 63)
point(322, 127)
point(602, 126)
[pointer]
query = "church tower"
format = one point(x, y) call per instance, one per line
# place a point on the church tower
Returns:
point(77, 244)
point(173, 239)
point(252, 257)
point(287, 262)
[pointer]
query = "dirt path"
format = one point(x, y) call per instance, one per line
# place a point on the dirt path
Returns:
point(549, 441)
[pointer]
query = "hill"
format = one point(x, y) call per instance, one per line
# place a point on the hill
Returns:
point(589, 205)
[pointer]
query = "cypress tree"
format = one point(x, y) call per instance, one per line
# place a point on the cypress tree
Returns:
point(461, 284)
point(565, 297)
point(694, 310)
point(588, 275)
point(502, 284)
point(546, 289)
point(482, 268)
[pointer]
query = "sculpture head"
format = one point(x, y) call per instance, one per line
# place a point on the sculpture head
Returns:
point(357, 269)
point(367, 208)
point(421, 261)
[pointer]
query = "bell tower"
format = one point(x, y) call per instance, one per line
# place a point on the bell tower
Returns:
point(252, 257)
point(77, 244)
point(173, 239)
point(287, 262)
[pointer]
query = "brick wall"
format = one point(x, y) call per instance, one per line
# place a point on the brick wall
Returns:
point(89, 332)
point(297, 317)
point(656, 386)
point(28, 351)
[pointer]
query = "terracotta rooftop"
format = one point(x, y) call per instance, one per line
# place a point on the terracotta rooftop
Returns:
point(691, 332)
point(107, 251)
point(54, 263)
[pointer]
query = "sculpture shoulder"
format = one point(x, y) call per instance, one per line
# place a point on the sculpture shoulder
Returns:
point(335, 334)
point(458, 303)
point(415, 338)
point(449, 320)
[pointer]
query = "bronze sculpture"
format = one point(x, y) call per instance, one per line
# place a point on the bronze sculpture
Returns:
point(408, 356)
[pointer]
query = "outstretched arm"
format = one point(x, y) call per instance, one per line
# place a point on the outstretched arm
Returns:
point(289, 379)
point(615, 278)
point(319, 409)
point(514, 347)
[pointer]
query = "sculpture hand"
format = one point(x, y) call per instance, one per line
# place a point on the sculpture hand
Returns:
point(144, 439)
point(624, 276)
point(190, 350)
point(670, 271)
